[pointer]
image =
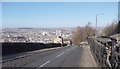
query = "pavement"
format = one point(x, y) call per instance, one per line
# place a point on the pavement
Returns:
point(71, 56)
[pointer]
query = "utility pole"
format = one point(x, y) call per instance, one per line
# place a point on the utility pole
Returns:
point(96, 26)
point(97, 23)
point(118, 31)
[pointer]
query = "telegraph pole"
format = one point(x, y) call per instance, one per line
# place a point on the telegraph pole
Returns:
point(96, 25)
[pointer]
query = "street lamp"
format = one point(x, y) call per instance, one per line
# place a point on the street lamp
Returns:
point(97, 23)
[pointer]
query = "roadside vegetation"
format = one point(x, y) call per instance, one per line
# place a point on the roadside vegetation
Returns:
point(111, 29)
point(81, 33)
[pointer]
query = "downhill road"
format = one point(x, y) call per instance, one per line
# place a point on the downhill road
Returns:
point(70, 56)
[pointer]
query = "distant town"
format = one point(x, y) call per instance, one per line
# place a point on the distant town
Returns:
point(37, 35)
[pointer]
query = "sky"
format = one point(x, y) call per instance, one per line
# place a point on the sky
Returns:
point(59, 0)
point(119, 11)
point(57, 14)
point(0, 16)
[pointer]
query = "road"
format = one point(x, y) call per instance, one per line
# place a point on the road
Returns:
point(70, 56)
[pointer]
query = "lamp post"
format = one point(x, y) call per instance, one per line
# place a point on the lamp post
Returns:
point(97, 23)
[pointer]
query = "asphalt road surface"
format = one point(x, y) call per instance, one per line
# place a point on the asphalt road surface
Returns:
point(70, 56)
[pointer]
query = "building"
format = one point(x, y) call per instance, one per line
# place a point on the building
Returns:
point(57, 40)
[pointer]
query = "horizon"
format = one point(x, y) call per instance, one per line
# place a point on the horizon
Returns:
point(57, 14)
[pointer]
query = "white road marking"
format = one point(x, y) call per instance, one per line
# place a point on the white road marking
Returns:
point(43, 64)
point(60, 54)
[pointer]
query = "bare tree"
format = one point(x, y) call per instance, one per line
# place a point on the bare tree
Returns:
point(81, 33)
point(110, 29)
point(89, 30)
